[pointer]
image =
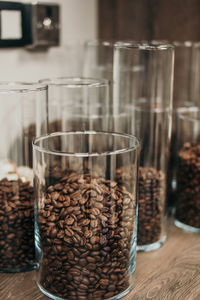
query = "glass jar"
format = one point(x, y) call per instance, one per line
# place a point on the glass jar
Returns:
point(143, 76)
point(187, 212)
point(186, 94)
point(86, 214)
point(77, 103)
point(23, 116)
point(83, 104)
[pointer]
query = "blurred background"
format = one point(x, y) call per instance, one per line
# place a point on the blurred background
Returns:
point(97, 19)
point(78, 22)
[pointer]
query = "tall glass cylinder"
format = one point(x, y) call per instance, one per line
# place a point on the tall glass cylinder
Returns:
point(98, 59)
point(85, 214)
point(143, 77)
point(23, 115)
point(186, 74)
point(187, 213)
point(186, 94)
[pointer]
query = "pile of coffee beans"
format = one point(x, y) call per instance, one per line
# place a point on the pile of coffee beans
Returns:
point(86, 228)
point(16, 225)
point(188, 184)
point(151, 196)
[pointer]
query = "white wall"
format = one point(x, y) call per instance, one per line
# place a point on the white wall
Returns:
point(78, 23)
point(79, 20)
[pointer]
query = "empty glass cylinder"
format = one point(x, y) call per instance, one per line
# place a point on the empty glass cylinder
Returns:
point(76, 103)
point(98, 59)
point(86, 214)
point(23, 115)
point(83, 104)
point(186, 93)
point(143, 76)
point(187, 213)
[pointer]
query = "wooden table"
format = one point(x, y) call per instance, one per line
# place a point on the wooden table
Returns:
point(170, 273)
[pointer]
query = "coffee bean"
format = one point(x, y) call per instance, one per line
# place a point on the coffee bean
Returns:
point(51, 218)
point(109, 295)
point(85, 222)
point(87, 250)
point(94, 239)
point(151, 204)
point(111, 288)
point(16, 225)
point(53, 232)
point(95, 211)
point(85, 281)
point(82, 261)
point(58, 187)
point(67, 202)
point(104, 282)
point(61, 223)
point(69, 232)
point(55, 196)
point(150, 208)
point(91, 259)
point(188, 188)
point(98, 294)
point(68, 240)
point(69, 220)
point(70, 255)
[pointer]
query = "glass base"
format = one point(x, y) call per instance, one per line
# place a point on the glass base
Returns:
point(153, 246)
point(19, 270)
point(185, 226)
point(116, 297)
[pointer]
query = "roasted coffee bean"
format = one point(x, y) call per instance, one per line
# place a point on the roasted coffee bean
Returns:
point(188, 187)
point(150, 205)
point(86, 254)
point(16, 225)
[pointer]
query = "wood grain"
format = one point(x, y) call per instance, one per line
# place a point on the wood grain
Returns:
point(170, 273)
point(107, 19)
point(177, 20)
point(149, 19)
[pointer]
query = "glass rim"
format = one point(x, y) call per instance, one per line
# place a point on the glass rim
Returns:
point(150, 110)
point(21, 87)
point(73, 82)
point(107, 113)
point(184, 113)
point(85, 154)
point(186, 44)
point(100, 42)
point(144, 45)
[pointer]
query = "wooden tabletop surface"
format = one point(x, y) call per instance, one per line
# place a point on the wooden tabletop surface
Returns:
point(171, 273)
